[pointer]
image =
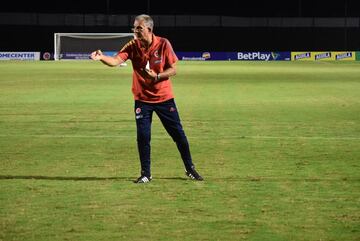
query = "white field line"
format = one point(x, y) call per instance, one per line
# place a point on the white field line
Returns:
point(203, 137)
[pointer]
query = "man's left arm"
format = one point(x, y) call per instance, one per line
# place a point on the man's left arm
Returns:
point(170, 71)
point(167, 73)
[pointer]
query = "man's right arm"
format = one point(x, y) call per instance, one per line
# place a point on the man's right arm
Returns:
point(108, 60)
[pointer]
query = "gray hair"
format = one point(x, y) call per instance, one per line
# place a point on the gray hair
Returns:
point(148, 21)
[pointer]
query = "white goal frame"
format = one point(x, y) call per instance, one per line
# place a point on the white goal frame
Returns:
point(57, 36)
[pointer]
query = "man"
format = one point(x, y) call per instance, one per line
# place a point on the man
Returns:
point(154, 61)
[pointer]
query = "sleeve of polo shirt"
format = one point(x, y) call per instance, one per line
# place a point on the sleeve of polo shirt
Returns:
point(170, 55)
point(126, 52)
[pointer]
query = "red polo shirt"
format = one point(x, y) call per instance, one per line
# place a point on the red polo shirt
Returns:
point(160, 56)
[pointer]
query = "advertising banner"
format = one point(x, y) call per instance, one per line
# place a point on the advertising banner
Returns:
point(75, 56)
point(242, 56)
point(323, 56)
point(83, 55)
point(247, 56)
point(202, 56)
point(19, 55)
point(302, 56)
point(263, 56)
point(344, 56)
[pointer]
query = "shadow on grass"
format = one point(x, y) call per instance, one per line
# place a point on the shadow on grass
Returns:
point(58, 178)
point(2, 177)
point(218, 179)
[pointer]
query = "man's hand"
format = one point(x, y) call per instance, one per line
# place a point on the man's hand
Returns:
point(151, 74)
point(108, 60)
point(96, 55)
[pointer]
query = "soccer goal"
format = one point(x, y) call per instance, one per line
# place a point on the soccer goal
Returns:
point(80, 45)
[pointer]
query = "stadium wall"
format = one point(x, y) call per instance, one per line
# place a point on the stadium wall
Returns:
point(40, 38)
point(190, 32)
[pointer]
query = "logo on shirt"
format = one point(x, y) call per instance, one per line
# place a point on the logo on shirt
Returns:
point(156, 53)
point(157, 61)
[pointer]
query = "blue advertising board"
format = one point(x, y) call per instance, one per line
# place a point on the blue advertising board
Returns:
point(247, 56)
point(82, 55)
point(202, 56)
point(75, 56)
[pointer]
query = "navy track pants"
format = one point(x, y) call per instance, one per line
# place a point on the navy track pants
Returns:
point(170, 119)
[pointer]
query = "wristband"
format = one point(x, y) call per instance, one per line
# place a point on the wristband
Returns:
point(158, 77)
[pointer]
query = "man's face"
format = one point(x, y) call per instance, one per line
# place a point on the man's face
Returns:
point(140, 30)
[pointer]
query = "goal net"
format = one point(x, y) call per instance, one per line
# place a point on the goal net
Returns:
point(80, 45)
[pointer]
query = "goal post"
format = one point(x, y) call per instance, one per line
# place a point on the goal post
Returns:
point(80, 45)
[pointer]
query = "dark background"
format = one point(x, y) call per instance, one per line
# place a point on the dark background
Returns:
point(37, 37)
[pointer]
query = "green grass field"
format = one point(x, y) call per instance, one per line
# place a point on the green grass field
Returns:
point(278, 144)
